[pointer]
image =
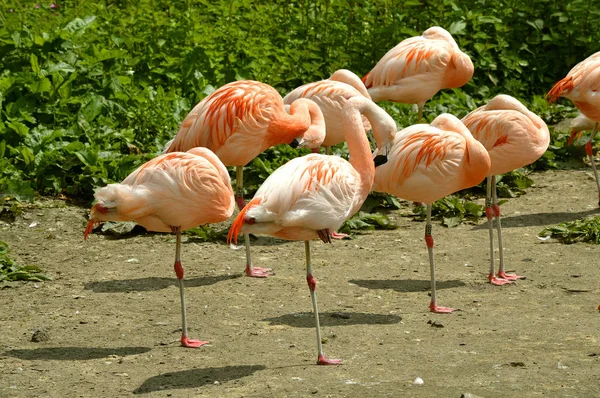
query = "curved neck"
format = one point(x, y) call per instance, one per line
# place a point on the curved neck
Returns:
point(285, 127)
point(348, 77)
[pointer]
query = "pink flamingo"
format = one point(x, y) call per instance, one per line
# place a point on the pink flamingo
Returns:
point(310, 196)
point(581, 85)
point(239, 121)
point(428, 162)
point(331, 95)
point(170, 193)
point(418, 67)
point(514, 137)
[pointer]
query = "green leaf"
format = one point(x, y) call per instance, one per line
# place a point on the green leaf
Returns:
point(35, 66)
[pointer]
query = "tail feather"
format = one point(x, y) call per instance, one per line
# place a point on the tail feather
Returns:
point(238, 223)
point(364, 80)
point(559, 88)
point(574, 135)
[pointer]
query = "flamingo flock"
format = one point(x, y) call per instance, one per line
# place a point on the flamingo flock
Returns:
point(310, 197)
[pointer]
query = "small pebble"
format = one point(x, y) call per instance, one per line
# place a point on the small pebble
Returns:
point(40, 336)
point(418, 382)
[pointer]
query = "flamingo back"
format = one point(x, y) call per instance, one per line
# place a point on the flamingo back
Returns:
point(175, 189)
point(426, 163)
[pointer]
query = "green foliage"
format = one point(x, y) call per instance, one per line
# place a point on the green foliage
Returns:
point(11, 271)
point(581, 230)
point(91, 90)
point(452, 210)
point(367, 221)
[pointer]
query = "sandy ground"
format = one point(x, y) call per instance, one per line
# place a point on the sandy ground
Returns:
point(112, 311)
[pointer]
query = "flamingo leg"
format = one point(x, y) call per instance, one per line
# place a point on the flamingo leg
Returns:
point(590, 153)
point(489, 212)
point(312, 285)
point(185, 341)
point(429, 241)
point(256, 272)
point(420, 112)
point(496, 208)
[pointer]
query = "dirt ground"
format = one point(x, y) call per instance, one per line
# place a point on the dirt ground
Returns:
point(112, 311)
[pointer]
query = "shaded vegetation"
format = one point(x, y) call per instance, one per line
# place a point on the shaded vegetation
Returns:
point(582, 230)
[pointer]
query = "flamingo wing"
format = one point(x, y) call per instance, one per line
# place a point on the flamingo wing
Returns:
point(307, 194)
point(243, 107)
point(424, 164)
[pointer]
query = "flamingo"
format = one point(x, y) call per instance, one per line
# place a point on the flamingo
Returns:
point(310, 196)
point(239, 121)
point(582, 86)
point(170, 193)
point(418, 67)
point(514, 137)
point(331, 95)
point(428, 162)
point(578, 125)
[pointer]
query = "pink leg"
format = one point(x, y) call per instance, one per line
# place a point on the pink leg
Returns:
point(185, 341)
point(254, 272)
point(590, 153)
point(433, 307)
point(312, 286)
point(489, 213)
point(496, 208)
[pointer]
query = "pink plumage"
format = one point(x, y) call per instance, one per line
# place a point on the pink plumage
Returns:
point(242, 119)
point(428, 162)
point(170, 193)
point(514, 137)
point(331, 95)
point(311, 196)
point(418, 67)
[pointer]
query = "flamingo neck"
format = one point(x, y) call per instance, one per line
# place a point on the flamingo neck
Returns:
point(358, 145)
point(284, 128)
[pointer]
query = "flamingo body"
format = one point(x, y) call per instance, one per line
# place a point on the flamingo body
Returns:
point(241, 119)
point(331, 95)
point(418, 67)
point(311, 196)
point(514, 137)
point(582, 86)
point(428, 162)
point(170, 193)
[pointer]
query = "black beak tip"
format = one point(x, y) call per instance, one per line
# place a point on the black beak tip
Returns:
point(294, 144)
point(380, 159)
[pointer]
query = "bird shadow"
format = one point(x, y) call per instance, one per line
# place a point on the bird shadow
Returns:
point(73, 353)
point(194, 378)
point(540, 219)
point(306, 319)
point(152, 283)
point(405, 285)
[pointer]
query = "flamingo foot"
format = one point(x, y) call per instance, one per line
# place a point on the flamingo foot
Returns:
point(326, 361)
point(498, 281)
point(440, 310)
point(190, 343)
point(509, 277)
point(258, 272)
point(339, 235)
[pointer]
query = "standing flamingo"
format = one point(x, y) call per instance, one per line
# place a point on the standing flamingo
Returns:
point(310, 196)
point(514, 137)
point(428, 162)
point(418, 67)
point(331, 95)
point(582, 86)
point(239, 121)
point(170, 193)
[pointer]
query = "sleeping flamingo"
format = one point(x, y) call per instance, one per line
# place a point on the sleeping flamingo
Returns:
point(417, 68)
point(311, 196)
point(514, 137)
point(331, 95)
point(239, 121)
point(426, 163)
point(170, 193)
point(582, 86)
